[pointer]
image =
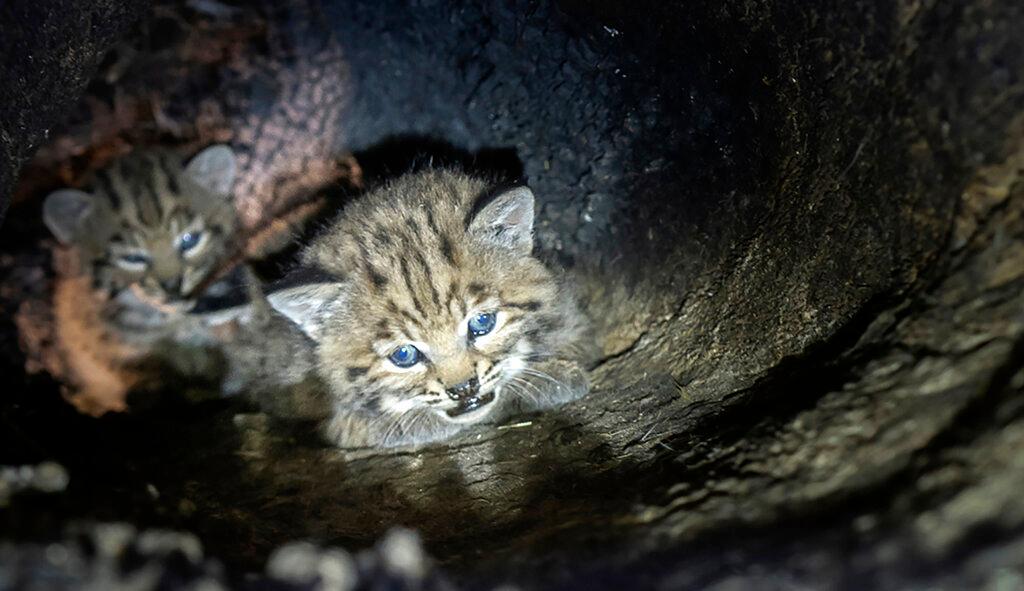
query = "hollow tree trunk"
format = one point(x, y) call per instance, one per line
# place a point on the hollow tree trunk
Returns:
point(812, 223)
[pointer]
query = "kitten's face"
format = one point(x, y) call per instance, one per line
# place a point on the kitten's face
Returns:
point(442, 310)
point(166, 261)
point(457, 357)
point(151, 224)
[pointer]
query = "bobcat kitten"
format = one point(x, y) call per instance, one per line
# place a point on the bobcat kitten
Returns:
point(151, 224)
point(135, 253)
point(437, 315)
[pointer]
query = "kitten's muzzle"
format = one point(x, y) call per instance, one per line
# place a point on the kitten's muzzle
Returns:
point(468, 398)
point(171, 286)
point(465, 390)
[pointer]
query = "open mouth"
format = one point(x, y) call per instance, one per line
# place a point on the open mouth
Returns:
point(163, 302)
point(470, 404)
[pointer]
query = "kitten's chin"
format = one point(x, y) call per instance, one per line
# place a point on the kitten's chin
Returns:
point(136, 295)
point(471, 409)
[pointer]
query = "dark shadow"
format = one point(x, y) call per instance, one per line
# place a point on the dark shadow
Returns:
point(403, 154)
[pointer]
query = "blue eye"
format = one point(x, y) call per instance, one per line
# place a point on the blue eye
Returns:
point(405, 356)
point(134, 259)
point(481, 324)
point(189, 240)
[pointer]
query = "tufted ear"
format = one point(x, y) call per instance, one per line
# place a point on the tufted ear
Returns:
point(309, 306)
point(214, 169)
point(507, 220)
point(65, 211)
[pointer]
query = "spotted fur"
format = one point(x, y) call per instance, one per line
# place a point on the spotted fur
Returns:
point(410, 264)
point(151, 222)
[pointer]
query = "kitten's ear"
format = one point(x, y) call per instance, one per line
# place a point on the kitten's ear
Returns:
point(507, 220)
point(214, 169)
point(309, 306)
point(65, 211)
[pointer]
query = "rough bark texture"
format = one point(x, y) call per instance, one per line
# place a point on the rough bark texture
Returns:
point(49, 53)
point(814, 224)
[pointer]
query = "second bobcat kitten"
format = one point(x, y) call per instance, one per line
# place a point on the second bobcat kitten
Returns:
point(132, 255)
point(151, 225)
point(437, 315)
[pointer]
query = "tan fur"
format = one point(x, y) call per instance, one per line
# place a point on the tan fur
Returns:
point(413, 262)
point(268, 359)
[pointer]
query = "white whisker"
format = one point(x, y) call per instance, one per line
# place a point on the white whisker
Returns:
point(539, 374)
point(517, 392)
point(395, 425)
point(417, 418)
point(523, 392)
